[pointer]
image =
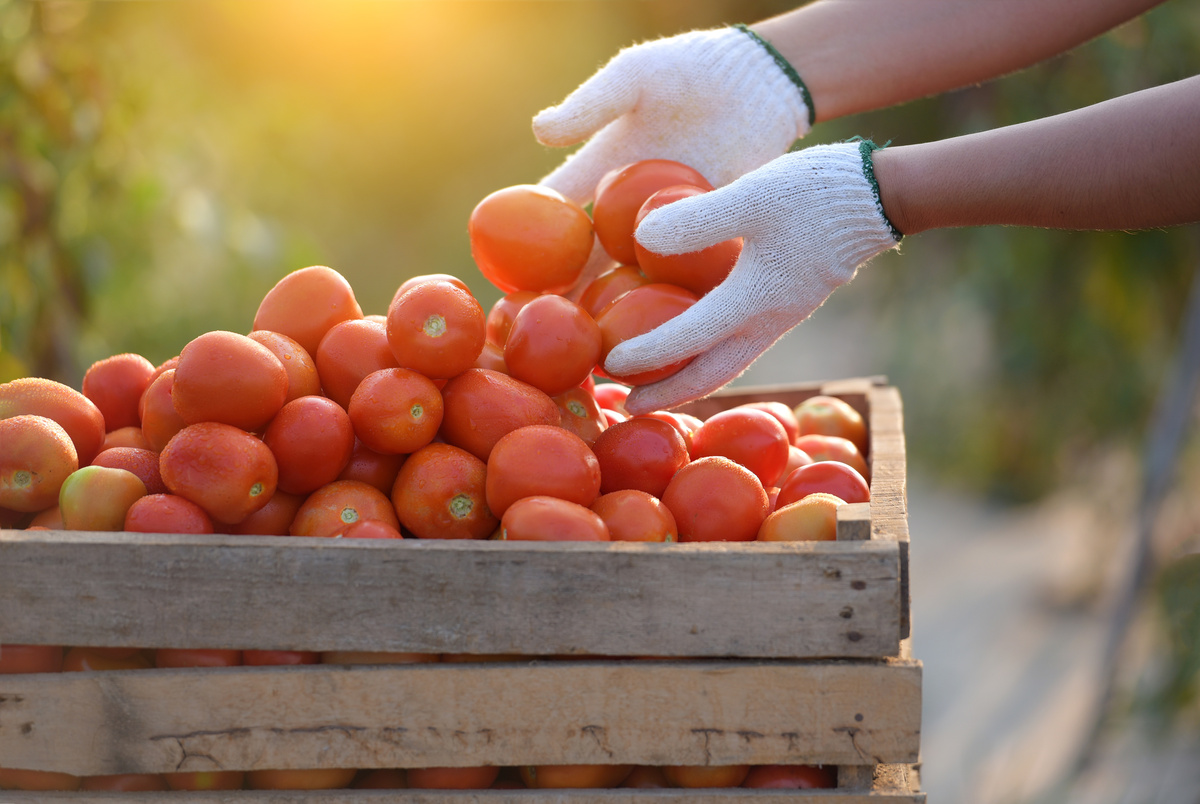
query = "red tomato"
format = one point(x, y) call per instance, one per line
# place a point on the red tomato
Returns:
point(695, 776)
point(698, 271)
point(581, 414)
point(640, 453)
point(30, 659)
point(782, 412)
point(436, 328)
point(482, 406)
point(543, 777)
point(264, 658)
point(413, 281)
point(611, 395)
point(480, 778)
point(549, 519)
point(609, 287)
point(635, 516)
point(541, 460)
point(753, 438)
point(832, 477)
point(834, 448)
point(189, 657)
point(500, 317)
point(791, 777)
point(553, 345)
point(439, 494)
point(704, 514)
point(312, 440)
point(621, 193)
point(636, 313)
point(167, 513)
point(530, 237)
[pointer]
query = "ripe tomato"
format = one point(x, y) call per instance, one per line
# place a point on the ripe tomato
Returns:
point(395, 411)
point(311, 439)
point(98, 498)
point(303, 379)
point(306, 304)
point(229, 378)
point(698, 271)
point(371, 529)
point(452, 778)
point(440, 493)
point(831, 415)
point(611, 395)
point(436, 328)
point(696, 776)
point(581, 414)
point(273, 519)
point(30, 659)
point(331, 509)
point(316, 779)
point(753, 438)
point(791, 777)
point(541, 460)
point(500, 317)
point(530, 237)
point(195, 657)
point(481, 406)
point(547, 777)
point(834, 448)
point(636, 313)
point(610, 286)
point(142, 462)
point(116, 384)
point(621, 193)
point(371, 467)
point(550, 519)
point(553, 344)
point(413, 281)
point(167, 513)
point(813, 518)
point(159, 420)
point(833, 477)
point(491, 357)
point(80, 659)
point(125, 437)
point(264, 658)
point(37, 781)
point(38, 456)
point(226, 471)
point(647, 777)
point(635, 516)
point(348, 353)
point(640, 453)
point(126, 783)
point(782, 412)
point(733, 514)
point(73, 411)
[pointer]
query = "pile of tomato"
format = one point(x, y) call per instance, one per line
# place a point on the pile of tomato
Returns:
point(438, 420)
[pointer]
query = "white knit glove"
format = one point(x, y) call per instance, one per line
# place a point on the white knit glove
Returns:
point(808, 220)
point(719, 101)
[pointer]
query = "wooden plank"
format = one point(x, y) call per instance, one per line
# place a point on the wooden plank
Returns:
point(651, 712)
point(854, 522)
point(723, 796)
point(775, 600)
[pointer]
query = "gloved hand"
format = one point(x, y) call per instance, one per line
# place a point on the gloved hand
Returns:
point(718, 101)
point(808, 220)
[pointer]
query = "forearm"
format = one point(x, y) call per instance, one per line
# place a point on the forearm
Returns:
point(1127, 163)
point(855, 56)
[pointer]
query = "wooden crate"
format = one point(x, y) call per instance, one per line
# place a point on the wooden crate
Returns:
point(764, 653)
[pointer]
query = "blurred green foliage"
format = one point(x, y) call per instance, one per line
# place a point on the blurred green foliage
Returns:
point(1178, 598)
point(163, 164)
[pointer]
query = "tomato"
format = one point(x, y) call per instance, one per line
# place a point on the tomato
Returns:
point(832, 477)
point(482, 406)
point(530, 237)
point(264, 658)
point(317, 779)
point(395, 411)
point(160, 421)
point(413, 281)
point(131, 437)
point(306, 304)
point(98, 498)
point(436, 328)
point(348, 353)
point(831, 415)
point(580, 414)
point(126, 783)
point(312, 439)
point(791, 777)
point(635, 516)
point(636, 313)
point(81, 659)
point(371, 467)
point(544, 777)
point(273, 519)
point(301, 368)
point(37, 781)
point(697, 776)
point(30, 659)
point(541, 460)
point(115, 385)
point(610, 286)
point(675, 421)
point(452, 778)
point(329, 510)
point(834, 448)
point(553, 345)
point(205, 780)
point(647, 777)
point(550, 519)
point(189, 657)
point(226, 471)
point(38, 457)
point(166, 513)
point(500, 317)
point(142, 462)
point(640, 453)
point(229, 378)
point(611, 395)
point(781, 412)
point(371, 529)
point(813, 518)
point(698, 271)
point(621, 192)
point(440, 493)
point(753, 438)
point(491, 357)
point(704, 514)
point(73, 411)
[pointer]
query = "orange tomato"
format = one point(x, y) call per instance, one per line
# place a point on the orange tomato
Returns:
point(38, 456)
point(312, 439)
point(436, 328)
point(831, 415)
point(698, 271)
point(482, 406)
point(125, 437)
point(160, 421)
point(541, 460)
point(396, 411)
point(641, 453)
point(635, 516)
point(226, 471)
point(348, 353)
point(550, 519)
point(166, 513)
point(610, 286)
point(301, 369)
point(580, 413)
point(98, 498)
point(273, 519)
point(834, 448)
point(116, 384)
point(833, 477)
point(531, 238)
point(440, 493)
point(753, 438)
point(735, 514)
point(37, 781)
point(315, 779)
point(636, 313)
point(813, 518)
point(553, 345)
point(500, 316)
point(306, 304)
point(77, 414)
point(142, 462)
point(229, 378)
point(621, 193)
point(331, 509)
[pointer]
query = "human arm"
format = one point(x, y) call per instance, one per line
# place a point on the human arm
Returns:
point(856, 56)
point(1127, 163)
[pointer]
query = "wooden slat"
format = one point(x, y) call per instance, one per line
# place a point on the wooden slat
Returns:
point(214, 591)
point(889, 490)
point(653, 713)
point(481, 797)
point(854, 522)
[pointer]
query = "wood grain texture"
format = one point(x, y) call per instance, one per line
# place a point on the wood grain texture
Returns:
point(640, 712)
point(482, 797)
point(777, 600)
